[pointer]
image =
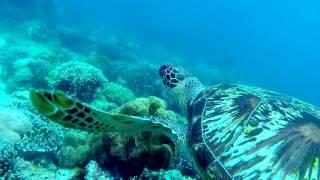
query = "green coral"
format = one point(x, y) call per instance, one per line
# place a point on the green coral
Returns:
point(116, 93)
point(78, 79)
point(151, 106)
point(138, 107)
point(78, 148)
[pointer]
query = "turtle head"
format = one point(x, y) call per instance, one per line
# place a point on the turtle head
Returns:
point(181, 83)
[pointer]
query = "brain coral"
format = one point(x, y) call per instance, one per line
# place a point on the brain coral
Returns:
point(78, 79)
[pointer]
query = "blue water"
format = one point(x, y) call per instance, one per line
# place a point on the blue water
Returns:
point(107, 54)
point(271, 44)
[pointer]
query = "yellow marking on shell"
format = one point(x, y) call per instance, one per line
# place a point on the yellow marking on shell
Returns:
point(62, 100)
point(248, 129)
point(41, 103)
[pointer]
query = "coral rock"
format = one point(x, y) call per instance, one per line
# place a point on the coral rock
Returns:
point(151, 106)
point(128, 155)
point(28, 170)
point(164, 175)
point(94, 172)
point(117, 94)
point(27, 73)
point(77, 79)
point(78, 148)
point(44, 140)
point(13, 124)
point(8, 157)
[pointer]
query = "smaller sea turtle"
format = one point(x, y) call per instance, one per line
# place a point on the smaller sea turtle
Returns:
point(234, 131)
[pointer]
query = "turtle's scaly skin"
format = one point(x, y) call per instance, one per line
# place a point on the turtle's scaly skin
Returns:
point(243, 132)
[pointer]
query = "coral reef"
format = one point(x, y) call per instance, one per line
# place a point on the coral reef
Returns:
point(27, 170)
point(140, 78)
point(94, 172)
point(79, 62)
point(146, 150)
point(164, 175)
point(43, 141)
point(78, 148)
point(28, 73)
point(151, 106)
point(8, 157)
point(78, 79)
point(13, 125)
point(3, 94)
point(36, 30)
point(127, 155)
point(116, 93)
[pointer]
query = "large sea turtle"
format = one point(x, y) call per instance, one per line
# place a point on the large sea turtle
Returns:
point(234, 131)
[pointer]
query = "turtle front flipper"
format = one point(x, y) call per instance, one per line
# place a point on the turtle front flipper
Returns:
point(71, 113)
point(68, 112)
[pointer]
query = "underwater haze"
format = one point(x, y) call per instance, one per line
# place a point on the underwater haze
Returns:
point(101, 89)
point(271, 44)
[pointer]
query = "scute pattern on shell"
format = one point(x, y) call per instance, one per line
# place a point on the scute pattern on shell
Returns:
point(259, 134)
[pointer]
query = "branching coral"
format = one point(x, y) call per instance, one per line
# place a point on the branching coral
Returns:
point(78, 79)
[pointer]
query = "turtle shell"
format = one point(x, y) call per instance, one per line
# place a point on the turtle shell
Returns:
point(241, 132)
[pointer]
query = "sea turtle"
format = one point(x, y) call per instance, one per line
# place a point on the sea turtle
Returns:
point(233, 131)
